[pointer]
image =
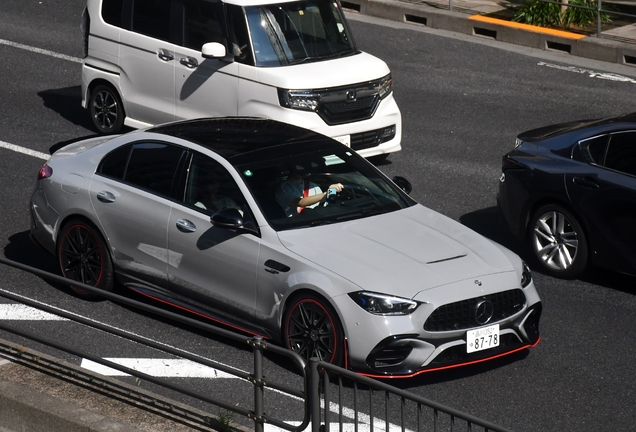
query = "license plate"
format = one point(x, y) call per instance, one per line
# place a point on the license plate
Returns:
point(482, 338)
point(345, 139)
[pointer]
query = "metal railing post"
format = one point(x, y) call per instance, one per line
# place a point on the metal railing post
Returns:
point(258, 383)
point(314, 394)
point(599, 5)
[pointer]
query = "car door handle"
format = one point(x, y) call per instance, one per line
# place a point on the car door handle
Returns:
point(186, 226)
point(105, 197)
point(585, 182)
point(165, 55)
point(189, 62)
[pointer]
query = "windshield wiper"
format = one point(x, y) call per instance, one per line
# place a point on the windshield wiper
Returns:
point(303, 60)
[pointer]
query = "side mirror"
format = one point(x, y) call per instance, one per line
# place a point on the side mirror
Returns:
point(231, 218)
point(213, 50)
point(403, 184)
point(227, 218)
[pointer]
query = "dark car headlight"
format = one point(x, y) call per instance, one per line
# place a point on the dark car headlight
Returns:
point(382, 304)
point(526, 276)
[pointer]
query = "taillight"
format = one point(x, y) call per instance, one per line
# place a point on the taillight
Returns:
point(45, 172)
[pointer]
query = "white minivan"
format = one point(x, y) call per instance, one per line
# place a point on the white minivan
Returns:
point(153, 61)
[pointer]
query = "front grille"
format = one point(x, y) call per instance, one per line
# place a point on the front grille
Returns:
point(461, 315)
point(371, 138)
point(343, 111)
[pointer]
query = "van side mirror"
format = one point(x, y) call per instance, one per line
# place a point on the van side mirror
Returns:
point(213, 50)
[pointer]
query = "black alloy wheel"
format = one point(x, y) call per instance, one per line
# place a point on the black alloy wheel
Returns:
point(312, 329)
point(558, 242)
point(107, 111)
point(84, 258)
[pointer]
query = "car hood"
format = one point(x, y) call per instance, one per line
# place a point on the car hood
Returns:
point(401, 253)
point(343, 71)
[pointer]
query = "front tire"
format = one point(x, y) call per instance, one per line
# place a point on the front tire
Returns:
point(84, 257)
point(311, 328)
point(107, 110)
point(558, 242)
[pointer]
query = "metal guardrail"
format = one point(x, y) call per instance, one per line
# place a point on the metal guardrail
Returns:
point(257, 344)
point(471, 6)
point(316, 391)
point(401, 410)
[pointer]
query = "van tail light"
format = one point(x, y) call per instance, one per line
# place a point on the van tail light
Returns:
point(45, 172)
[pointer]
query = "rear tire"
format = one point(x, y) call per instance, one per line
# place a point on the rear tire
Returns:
point(557, 242)
point(311, 328)
point(84, 257)
point(107, 111)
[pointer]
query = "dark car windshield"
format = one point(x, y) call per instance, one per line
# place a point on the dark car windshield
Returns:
point(276, 182)
point(297, 32)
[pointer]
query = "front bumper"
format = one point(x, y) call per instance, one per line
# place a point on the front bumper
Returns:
point(408, 355)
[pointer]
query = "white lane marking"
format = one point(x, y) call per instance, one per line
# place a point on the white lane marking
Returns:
point(40, 51)
point(346, 427)
point(24, 150)
point(591, 73)
point(20, 312)
point(166, 368)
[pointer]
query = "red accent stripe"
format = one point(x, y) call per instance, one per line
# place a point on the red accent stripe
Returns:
point(197, 313)
point(451, 366)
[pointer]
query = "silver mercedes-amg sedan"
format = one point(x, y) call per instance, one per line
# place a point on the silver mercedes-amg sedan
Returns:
point(279, 231)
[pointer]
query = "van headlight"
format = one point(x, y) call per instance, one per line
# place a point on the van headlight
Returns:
point(385, 86)
point(304, 100)
point(382, 304)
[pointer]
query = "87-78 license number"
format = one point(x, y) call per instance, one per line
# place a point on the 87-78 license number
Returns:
point(482, 338)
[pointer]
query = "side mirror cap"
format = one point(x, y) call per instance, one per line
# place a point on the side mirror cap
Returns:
point(213, 50)
point(227, 218)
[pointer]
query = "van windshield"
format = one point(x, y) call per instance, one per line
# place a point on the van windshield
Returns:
point(298, 32)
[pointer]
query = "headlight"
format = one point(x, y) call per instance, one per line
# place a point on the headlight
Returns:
point(526, 276)
point(385, 85)
point(381, 304)
point(298, 99)
point(518, 142)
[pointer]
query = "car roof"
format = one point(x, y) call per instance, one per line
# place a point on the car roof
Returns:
point(247, 139)
point(582, 126)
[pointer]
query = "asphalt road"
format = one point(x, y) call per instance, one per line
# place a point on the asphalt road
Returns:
point(463, 102)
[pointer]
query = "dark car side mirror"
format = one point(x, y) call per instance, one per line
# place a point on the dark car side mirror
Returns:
point(403, 184)
point(231, 218)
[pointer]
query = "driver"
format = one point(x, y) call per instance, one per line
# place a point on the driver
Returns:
point(297, 193)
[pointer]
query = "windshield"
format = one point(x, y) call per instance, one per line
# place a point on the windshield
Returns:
point(296, 32)
point(278, 185)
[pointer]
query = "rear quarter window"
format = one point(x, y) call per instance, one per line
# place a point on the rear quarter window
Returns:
point(112, 12)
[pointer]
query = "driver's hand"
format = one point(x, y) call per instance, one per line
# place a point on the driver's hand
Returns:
point(337, 186)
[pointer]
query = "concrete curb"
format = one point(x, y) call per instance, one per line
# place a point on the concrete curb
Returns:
point(22, 409)
point(594, 48)
point(41, 393)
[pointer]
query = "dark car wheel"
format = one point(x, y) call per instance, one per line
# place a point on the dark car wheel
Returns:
point(558, 242)
point(84, 257)
point(107, 111)
point(312, 329)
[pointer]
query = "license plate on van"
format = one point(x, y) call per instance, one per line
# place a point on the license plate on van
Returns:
point(345, 139)
point(482, 338)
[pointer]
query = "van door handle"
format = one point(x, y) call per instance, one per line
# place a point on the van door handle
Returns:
point(189, 62)
point(165, 55)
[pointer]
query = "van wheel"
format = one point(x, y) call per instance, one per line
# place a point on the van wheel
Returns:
point(107, 111)
point(84, 258)
point(312, 329)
